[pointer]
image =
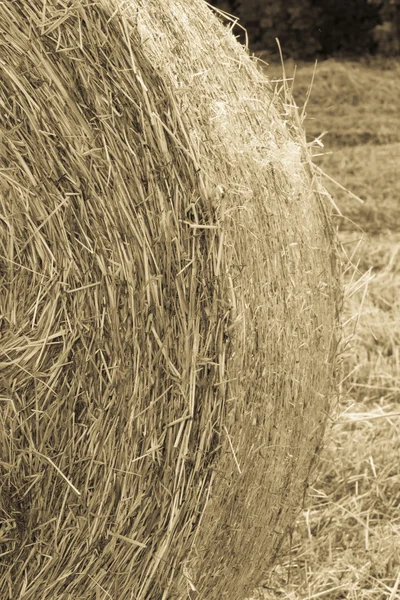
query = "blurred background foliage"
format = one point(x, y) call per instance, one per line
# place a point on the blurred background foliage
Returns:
point(307, 29)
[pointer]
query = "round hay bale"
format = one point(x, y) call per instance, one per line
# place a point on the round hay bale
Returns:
point(169, 300)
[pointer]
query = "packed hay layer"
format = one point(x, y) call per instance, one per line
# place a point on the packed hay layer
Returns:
point(169, 305)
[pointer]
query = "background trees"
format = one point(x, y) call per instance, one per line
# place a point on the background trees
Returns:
point(309, 28)
point(387, 32)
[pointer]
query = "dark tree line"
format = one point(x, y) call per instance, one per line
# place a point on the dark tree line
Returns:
point(310, 28)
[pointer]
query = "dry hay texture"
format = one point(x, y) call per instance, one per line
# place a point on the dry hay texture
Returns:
point(169, 295)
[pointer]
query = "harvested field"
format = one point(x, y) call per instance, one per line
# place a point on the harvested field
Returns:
point(351, 102)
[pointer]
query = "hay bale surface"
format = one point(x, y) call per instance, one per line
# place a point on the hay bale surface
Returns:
point(168, 307)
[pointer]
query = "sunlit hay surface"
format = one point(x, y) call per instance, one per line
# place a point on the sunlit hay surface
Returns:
point(169, 305)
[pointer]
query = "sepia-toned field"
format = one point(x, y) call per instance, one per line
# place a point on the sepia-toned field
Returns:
point(346, 544)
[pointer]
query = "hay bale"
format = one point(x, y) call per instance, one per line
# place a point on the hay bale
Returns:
point(169, 296)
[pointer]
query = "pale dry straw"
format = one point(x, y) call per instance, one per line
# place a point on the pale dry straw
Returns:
point(169, 305)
